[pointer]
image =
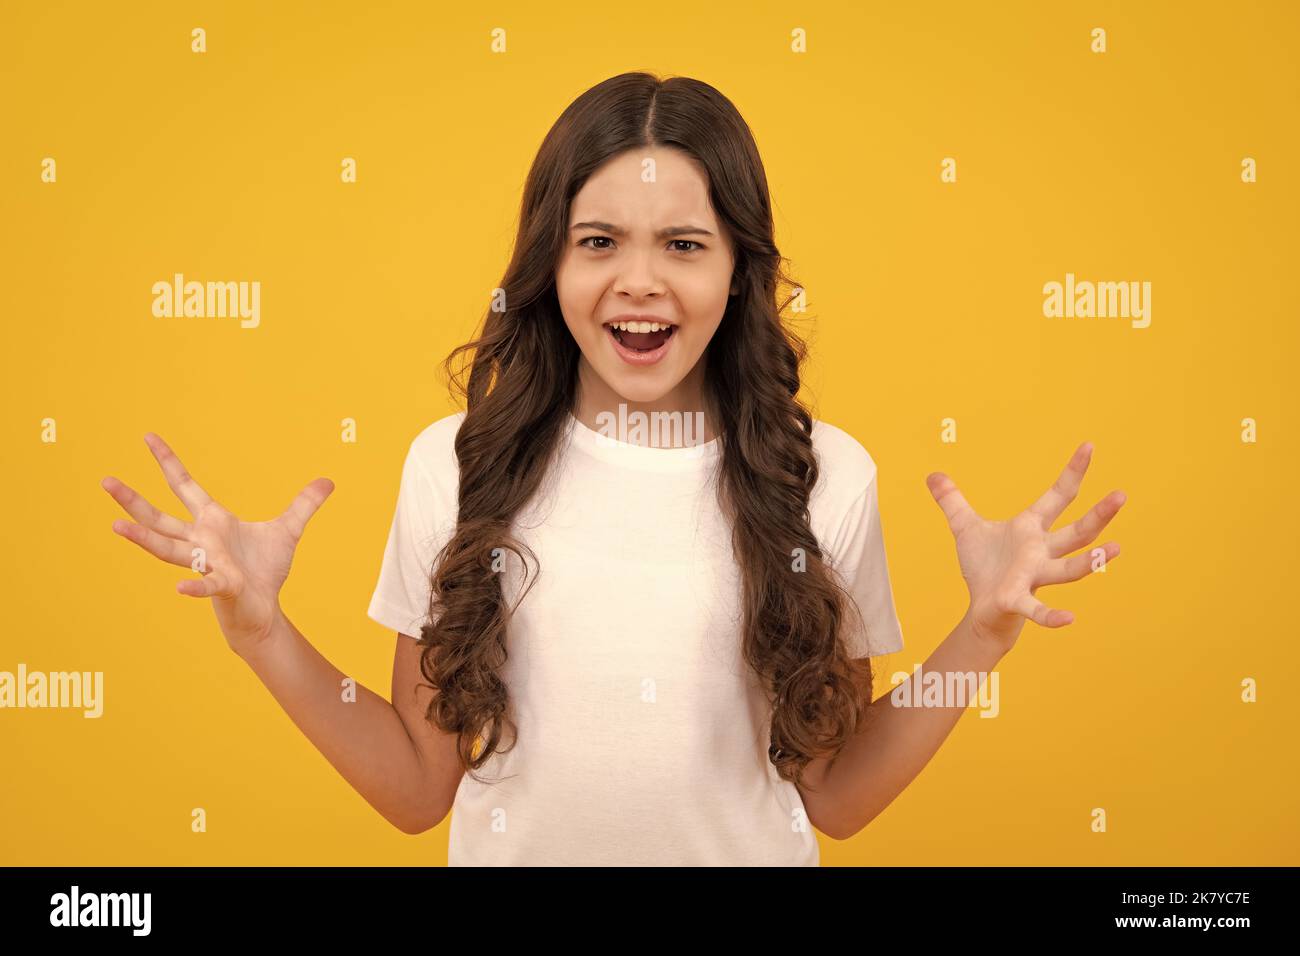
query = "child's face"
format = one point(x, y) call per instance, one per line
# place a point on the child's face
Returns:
point(624, 265)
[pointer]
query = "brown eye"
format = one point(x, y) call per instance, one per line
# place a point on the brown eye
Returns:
point(595, 238)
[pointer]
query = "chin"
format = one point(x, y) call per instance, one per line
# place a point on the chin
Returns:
point(641, 388)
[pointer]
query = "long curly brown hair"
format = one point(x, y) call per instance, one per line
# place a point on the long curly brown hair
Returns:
point(522, 382)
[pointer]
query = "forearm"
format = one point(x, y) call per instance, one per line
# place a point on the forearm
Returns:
point(364, 739)
point(895, 742)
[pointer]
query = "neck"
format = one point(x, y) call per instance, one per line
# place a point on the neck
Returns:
point(596, 399)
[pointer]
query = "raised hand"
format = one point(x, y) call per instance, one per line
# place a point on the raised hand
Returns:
point(1004, 563)
point(244, 564)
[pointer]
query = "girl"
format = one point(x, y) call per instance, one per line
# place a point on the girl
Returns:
point(612, 647)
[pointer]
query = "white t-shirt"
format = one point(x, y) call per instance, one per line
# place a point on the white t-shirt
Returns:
point(642, 735)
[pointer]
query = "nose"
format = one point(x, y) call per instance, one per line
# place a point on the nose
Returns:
point(637, 277)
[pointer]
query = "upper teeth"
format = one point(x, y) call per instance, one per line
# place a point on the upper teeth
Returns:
point(640, 326)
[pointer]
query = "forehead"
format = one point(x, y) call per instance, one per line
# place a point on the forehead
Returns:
point(622, 190)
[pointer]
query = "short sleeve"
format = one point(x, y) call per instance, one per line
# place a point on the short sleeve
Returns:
point(420, 525)
point(858, 553)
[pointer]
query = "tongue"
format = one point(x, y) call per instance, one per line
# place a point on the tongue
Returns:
point(643, 340)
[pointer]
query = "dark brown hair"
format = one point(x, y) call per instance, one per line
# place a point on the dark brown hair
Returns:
point(522, 385)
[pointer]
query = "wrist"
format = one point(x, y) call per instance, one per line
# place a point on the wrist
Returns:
point(991, 643)
point(259, 645)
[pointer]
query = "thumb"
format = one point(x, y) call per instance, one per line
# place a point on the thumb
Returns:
point(949, 498)
point(302, 507)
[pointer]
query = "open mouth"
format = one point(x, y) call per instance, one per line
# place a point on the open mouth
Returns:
point(641, 336)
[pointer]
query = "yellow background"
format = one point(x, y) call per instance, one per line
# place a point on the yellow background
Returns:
point(927, 299)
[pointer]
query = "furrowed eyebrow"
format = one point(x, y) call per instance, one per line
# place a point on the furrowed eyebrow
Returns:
point(668, 233)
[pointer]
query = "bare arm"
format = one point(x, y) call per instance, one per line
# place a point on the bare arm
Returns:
point(1004, 563)
point(892, 745)
point(403, 766)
